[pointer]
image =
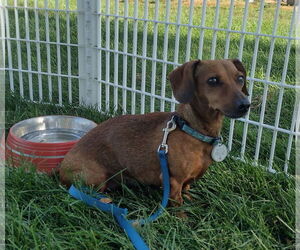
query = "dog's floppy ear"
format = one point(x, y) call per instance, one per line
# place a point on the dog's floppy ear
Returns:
point(183, 81)
point(238, 64)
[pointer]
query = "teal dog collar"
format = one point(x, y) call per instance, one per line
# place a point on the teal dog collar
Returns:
point(183, 125)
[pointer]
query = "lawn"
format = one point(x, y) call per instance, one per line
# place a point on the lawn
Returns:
point(236, 205)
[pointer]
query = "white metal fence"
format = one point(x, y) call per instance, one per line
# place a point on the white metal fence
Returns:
point(116, 55)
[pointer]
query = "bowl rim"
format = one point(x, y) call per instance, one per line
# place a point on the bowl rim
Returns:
point(27, 142)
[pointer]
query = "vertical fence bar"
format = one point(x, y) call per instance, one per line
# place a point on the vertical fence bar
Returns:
point(265, 93)
point(281, 92)
point(69, 60)
point(291, 137)
point(2, 75)
point(19, 49)
point(295, 124)
point(243, 35)
point(297, 113)
point(9, 56)
point(124, 101)
point(107, 55)
point(116, 55)
point(297, 120)
point(28, 49)
point(2, 107)
point(48, 50)
point(38, 49)
point(134, 51)
point(241, 47)
point(98, 67)
point(2, 87)
point(165, 57)
point(58, 53)
point(202, 24)
point(189, 34)
point(252, 74)
point(216, 24)
point(88, 40)
point(154, 56)
point(177, 37)
point(230, 16)
point(144, 62)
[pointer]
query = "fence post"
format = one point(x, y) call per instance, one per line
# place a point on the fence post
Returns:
point(87, 52)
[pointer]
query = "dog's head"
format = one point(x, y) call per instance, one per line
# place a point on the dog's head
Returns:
point(221, 84)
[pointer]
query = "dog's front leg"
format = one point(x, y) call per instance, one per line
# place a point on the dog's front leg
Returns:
point(176, 189)
point(176, 196)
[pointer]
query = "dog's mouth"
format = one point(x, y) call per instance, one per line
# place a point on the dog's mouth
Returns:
point(235, 115)
point(239, 110)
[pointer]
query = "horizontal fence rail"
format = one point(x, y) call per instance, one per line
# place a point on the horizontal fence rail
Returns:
point(116, 56)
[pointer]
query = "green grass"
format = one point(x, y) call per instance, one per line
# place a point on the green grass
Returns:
point(236, 205)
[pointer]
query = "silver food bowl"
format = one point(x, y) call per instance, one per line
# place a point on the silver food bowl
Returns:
point(52, 129)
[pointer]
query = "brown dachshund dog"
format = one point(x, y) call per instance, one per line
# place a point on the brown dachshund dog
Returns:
point(124, 147)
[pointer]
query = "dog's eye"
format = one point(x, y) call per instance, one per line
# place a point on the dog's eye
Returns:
point(241, 80)
point(213, 81)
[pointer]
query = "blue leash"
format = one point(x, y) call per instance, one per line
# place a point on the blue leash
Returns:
point(120, 213)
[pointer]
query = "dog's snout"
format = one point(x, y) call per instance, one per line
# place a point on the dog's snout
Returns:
point(244, 105)
point(240, 108)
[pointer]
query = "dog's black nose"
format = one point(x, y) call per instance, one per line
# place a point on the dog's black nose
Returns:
point(244, 105)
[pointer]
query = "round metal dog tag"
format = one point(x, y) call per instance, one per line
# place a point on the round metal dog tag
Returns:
point(219, 152)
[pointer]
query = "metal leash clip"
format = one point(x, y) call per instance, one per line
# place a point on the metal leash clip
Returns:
point(171, 125)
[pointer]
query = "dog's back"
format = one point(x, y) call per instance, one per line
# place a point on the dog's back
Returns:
point(125, 143)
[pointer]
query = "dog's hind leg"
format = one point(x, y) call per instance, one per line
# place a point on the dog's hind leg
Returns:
point(96, 177)
point(89, 173)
